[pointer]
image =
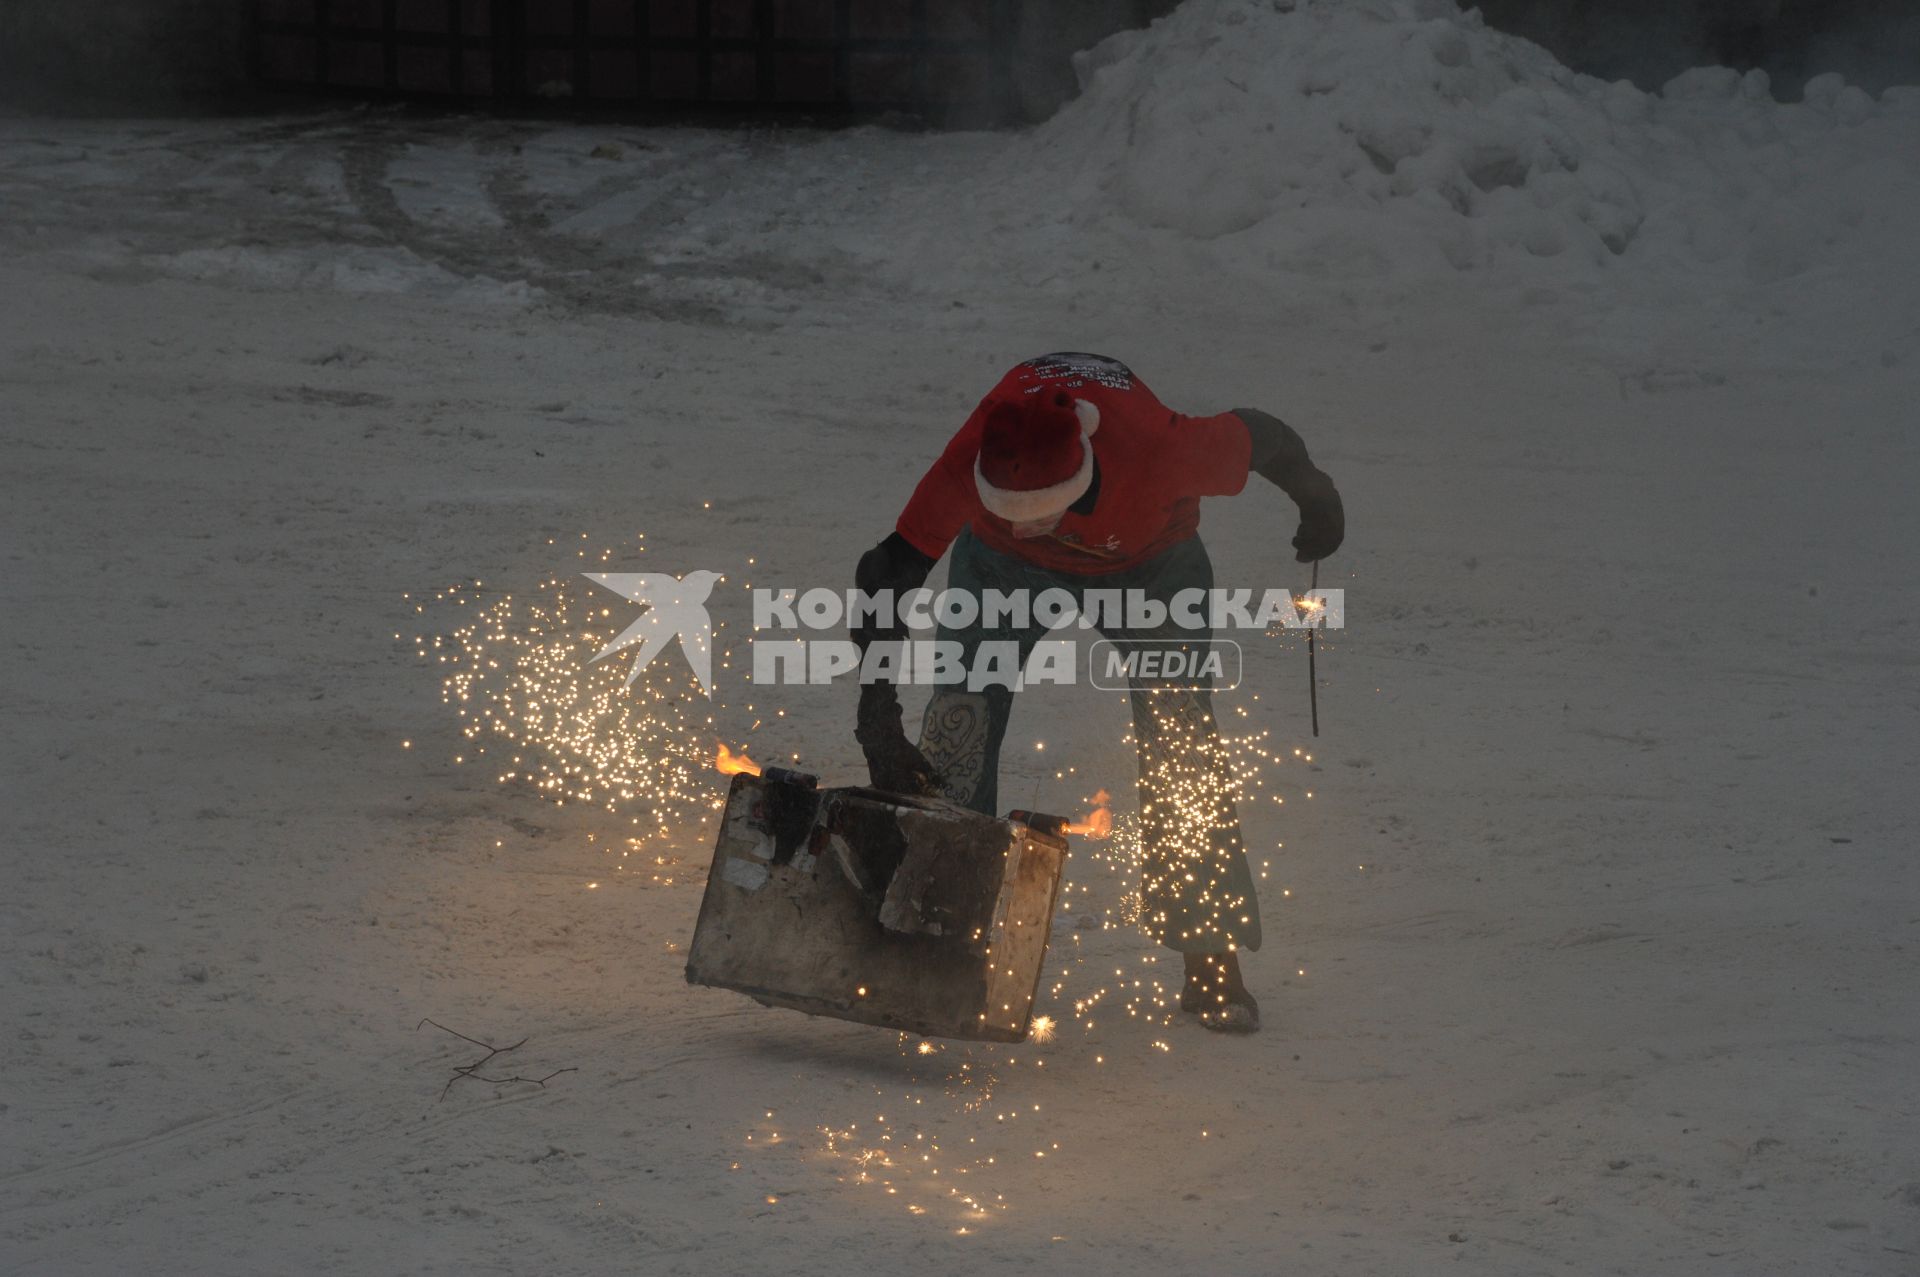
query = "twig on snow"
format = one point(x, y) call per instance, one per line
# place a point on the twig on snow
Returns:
point(473, 1070)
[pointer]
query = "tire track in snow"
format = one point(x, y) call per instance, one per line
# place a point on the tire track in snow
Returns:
point(563, 268)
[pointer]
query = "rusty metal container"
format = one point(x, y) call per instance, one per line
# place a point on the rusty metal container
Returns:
point(910, 913)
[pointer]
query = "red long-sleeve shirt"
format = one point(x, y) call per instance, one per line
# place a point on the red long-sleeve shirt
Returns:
point(1154, 465)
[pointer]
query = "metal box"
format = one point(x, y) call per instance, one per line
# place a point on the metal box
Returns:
point(910, 913)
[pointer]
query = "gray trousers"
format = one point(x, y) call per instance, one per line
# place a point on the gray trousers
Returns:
point(1196, 890)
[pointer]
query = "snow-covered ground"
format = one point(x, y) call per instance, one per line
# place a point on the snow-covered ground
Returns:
point(1599, 953)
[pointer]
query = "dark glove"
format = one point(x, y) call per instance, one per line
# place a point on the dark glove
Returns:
point(1323, 520)
point(894, 762)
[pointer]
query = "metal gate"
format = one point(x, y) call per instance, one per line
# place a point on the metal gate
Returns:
point(945, 58)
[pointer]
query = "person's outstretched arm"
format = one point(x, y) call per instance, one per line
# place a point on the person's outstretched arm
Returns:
point(894, 762)
point(1280, 457)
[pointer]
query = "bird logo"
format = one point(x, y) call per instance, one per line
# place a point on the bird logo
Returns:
point(675, 609)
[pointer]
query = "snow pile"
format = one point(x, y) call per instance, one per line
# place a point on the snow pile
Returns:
point(1236, 152)
point(1383, 134)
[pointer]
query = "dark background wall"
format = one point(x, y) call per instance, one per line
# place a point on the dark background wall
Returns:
point(158, 55)
point(1874, 43)
point(105, 55)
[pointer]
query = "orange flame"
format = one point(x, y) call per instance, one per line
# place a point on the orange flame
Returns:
point(1099, 822)
point(731, 764)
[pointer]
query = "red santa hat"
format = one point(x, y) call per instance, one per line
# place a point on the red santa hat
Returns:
point(1036, 455)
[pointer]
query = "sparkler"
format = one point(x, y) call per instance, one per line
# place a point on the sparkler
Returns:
point(1313, 683)
point(533, 705)
point(965, 1117)
point(1169, 856)
point(521, 674)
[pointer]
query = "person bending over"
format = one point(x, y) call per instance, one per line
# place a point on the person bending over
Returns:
point(1072, 475)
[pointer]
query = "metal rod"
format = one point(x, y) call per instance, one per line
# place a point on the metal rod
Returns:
point(1313, 683)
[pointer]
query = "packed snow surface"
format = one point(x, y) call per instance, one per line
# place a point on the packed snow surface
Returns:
point(1592, 951)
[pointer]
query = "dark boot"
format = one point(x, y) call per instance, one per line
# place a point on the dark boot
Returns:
point(1215, 993)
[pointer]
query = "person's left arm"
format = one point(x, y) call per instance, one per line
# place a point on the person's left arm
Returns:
point(1279, 455)
point(1212, 457)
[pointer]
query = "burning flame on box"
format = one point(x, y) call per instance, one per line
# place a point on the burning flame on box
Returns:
point(728, 763)
point(1099, 822)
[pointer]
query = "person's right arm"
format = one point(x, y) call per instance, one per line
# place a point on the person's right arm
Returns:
point(941, 505)
point(893, 762)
